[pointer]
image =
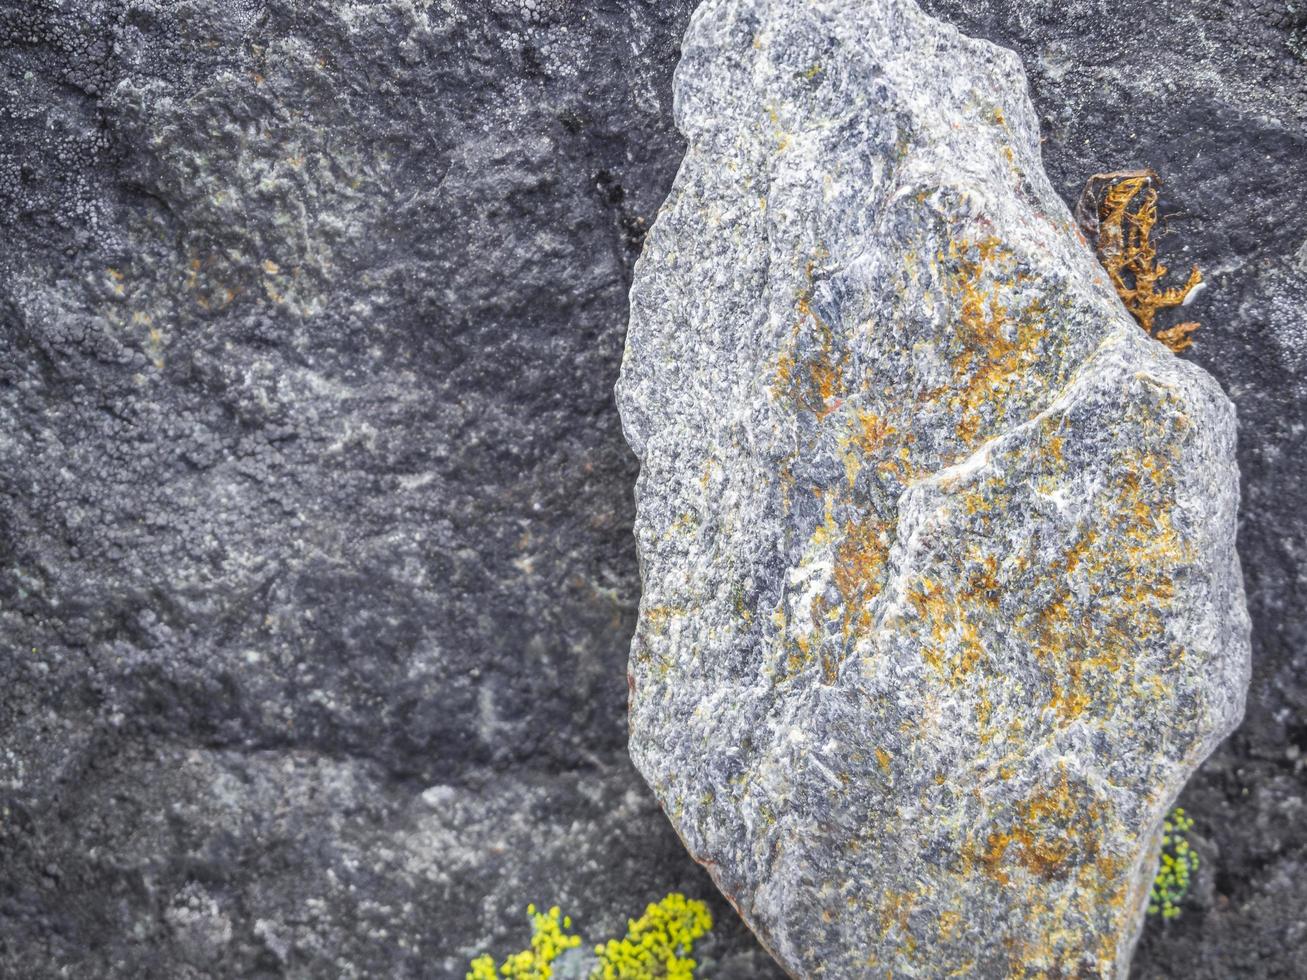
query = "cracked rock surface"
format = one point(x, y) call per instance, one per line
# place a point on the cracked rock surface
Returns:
point(941, 600)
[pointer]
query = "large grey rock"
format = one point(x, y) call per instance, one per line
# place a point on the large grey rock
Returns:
point(941, 604)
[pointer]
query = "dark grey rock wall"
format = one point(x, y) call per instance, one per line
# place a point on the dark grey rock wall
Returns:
point(317, 574)
point(316, 578)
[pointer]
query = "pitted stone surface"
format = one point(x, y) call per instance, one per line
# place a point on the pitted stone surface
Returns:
point(941, 603)
point(316, 575)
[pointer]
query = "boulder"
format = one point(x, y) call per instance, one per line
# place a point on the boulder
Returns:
point(941, 601)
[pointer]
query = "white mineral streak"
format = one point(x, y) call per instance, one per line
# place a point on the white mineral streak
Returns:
point(941, 598)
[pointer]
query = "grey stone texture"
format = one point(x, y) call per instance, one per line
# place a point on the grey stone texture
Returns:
point(941, 600)
point(315, 635)
point(318, 577)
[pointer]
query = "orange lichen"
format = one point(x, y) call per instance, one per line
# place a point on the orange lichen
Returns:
point(999, 342)
point(883, 760)
point(948, 924)
point(872, 433)
point(1121, 210)
point(656, 618)
point(784, 375)
point(1054, 832)
point(896, 909)
point(859, 562)
point(809, 370)
point(945, 618)
point(800, 654)
point(984, 711)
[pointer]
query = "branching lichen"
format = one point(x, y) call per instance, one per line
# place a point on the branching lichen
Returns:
point(1118, 212)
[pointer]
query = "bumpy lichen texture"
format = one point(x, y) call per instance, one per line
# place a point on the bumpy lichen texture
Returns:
point(551, 936)
point(941, 602)
point(658, 944)
point(1175, 865)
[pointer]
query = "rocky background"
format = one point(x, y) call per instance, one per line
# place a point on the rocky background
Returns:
point(316, 576)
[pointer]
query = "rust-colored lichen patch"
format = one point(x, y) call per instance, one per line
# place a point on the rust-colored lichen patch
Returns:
point(950, 640)
point(859, 562)
point(809, 371)
point(1118, 211)
point(999, 335)
point(872, 433)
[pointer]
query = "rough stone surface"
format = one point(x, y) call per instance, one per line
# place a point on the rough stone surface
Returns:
point(942, 604)
point(541, 136)
point(317, 578)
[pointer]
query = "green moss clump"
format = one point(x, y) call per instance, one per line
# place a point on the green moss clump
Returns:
point(656, 945)
point(1175, 867)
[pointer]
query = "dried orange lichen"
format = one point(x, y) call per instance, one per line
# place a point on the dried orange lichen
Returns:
point(1119, 212)
point(1000, 335)
point(859, 561)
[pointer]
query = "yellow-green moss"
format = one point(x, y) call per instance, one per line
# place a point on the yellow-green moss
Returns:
point(656, 945)
point(1175, 867)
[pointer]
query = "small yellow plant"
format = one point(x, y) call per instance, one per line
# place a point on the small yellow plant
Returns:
point(1118, 211)
point(1176, 865)
point(658, 944)
point(548, 942)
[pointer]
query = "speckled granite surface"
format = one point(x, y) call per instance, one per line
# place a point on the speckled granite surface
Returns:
point(941, 604)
